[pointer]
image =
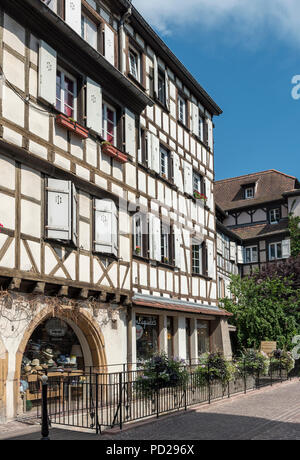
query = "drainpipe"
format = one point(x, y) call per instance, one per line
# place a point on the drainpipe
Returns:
point(123, 21)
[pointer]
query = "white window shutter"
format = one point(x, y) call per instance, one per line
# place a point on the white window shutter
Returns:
point(167, 89)
point(208, 192)
point(188, 178)
point(130, 133)
point(211, 269)
point(93, 106)
point(232, 250)
point(73, 14)
point(286, 249)
point(74, 215)
point(106, 227)
point(59, 209)
point(109, 44)
point(177, 173)
point(210, 134)
point(178, 253)
point(47, 73)
point(149, 150)
point(155, 154)
point(154, 237)
point(240, 255)
point(195, 119)
point(155, 76)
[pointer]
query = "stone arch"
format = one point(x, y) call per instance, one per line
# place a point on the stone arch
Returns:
point(3, 378)
point(84, 322)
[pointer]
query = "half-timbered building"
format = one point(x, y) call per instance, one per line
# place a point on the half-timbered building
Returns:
point(107, 243)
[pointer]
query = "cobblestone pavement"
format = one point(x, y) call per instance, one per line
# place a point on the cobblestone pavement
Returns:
point(267, 414)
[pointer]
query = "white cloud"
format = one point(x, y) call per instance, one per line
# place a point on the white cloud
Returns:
point(246, 16)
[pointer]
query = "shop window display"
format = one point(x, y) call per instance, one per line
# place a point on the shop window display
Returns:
point(146, 336)
point(54, 347)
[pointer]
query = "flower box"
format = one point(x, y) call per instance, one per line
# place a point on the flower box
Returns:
point(200, 196)
point(113, 152)
point(72, 125)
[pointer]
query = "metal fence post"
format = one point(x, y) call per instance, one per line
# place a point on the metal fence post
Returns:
point(280, 369)
point(245, 377)
point(121, 399)
point(208, 377)
point(45, 422)
point(97, 406)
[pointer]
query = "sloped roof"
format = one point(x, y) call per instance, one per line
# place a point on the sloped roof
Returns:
point(269, 186)
point(255, 231)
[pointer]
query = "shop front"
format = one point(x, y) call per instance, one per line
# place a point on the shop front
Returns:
point(147, 331)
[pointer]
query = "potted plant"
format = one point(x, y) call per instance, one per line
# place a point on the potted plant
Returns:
point(113, 152)
point(200, 196)
point(81, 131)
point(165, 260)
point(138, 250)
point(65, 121)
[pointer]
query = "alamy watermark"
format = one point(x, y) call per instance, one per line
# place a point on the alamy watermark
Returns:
point(296, 87)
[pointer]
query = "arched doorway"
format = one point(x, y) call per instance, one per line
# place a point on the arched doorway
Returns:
point(82, 344)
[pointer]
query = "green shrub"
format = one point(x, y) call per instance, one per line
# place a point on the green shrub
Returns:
point(254, 362)
point(282, 360)
point(161, 372)
point(213, 367)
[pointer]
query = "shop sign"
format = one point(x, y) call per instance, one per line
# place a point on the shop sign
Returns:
point(139, 331)
point(146, 322)
point(56, 328)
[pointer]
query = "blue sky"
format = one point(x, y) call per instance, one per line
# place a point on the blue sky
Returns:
point(245, 54)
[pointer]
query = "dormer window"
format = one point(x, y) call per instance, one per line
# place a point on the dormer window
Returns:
point(249, 193)
point(274, 216)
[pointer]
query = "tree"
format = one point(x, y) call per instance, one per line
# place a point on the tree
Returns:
point(264, 308)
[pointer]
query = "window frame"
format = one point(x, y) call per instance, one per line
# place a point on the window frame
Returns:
point(246, 193)
point(132, 51)
point(275, 244)
point(105, 106)
point(86, 19)
point(179, 100)
point(64, 73)
point(163, 92)
point(196, 243)
point(251, 253)
point(164, 154)
point(165, 243)
point(270, 215)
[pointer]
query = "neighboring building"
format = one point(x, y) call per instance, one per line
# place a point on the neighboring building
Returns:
point(107, 252)
point(255, 208)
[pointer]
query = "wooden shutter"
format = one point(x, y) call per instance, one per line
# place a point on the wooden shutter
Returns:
point(204, 259)
point(109, 44)
point(194, 119)
point(240, 255)
point(73, 14)
point(167, 89)
point(177, 248)
point(155, 76)
point(130, 133)
point(210, 134)
point(47, 73)
point(149, 150)
point(59, 209)
point(155, 153)
point(286, 249)
point(105, 227)
point(232, 250)
point(188, 178)
point(208, 193)
point(94, 106)
point(74, 215)
point(154, 237)
point(177, 173)
point(211, 269)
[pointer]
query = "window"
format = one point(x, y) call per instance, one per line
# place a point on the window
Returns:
point(203, 337)
point(165, 246)
point(164, 162)
point(89, 31)
point(143, 150)
point(249, 193)
point(140, 235)
point(197, 258)
point(251, 254)
point(201, 126)
point(181, 109)
point(66, 90)
point(274, 216)
point(134, 64)
point(198, 183)
point(275, 251)
point(146, 336)
point(109, 126)
point(161, 88)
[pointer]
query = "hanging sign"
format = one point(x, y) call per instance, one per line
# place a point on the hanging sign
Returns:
point(56, 328)
point(139, 332)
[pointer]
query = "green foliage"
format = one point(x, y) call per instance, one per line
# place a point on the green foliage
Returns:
point(213, 367)
point(294, 228)
point(253, 362)
point(160, 372)
point(265, 309)
point(282, 360)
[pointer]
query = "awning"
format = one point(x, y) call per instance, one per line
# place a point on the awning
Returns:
point(177, 305)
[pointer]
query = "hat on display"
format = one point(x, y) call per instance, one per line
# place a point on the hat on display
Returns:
point(48, 353)
point(38, 368)
point(51, 363)
point(35, 362)
point(25, 361)
point(73, 360)
point(27, 368)
point(34, 347)
point(44, 366)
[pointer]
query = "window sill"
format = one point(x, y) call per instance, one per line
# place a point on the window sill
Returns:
point(136, 81)
point(199, 275)
point(162, 105)
point(140, 257)
point(73, 126)
point(183, 125)
point(204, 144)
